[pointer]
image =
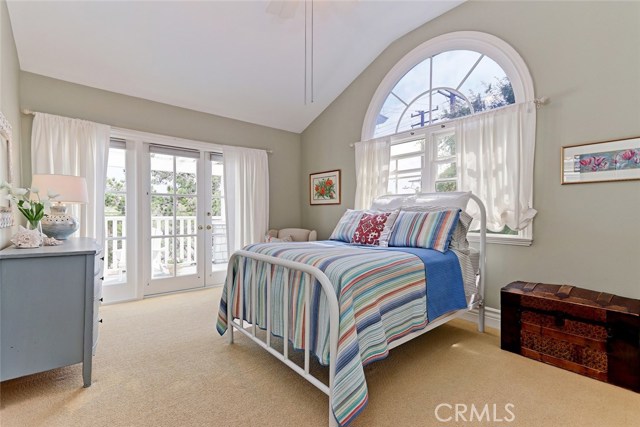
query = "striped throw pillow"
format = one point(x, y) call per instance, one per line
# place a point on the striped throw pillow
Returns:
point(346, 226)
point(459, 236)
point(430, 230)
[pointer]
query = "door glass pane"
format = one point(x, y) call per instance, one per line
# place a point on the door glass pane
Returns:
point(115, 224)
point(162, 225)
point(161, 173)
point(162, 205)
point(186, 170)
point(186, 207)
point(162, 257)
point(186, 225)
point(116, 180)
point(186, 255)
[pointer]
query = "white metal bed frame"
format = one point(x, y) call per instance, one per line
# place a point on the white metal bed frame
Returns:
point(332, 303)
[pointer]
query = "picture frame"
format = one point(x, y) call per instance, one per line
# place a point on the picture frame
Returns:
point(325, 188)
point(613, 160)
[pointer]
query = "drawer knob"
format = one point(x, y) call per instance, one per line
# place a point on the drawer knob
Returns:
point(102, 258)
point(100, 320)
point(102, 278)
point(101, 299)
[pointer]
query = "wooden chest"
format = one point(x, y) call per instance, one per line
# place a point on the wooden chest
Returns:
point(592, 333)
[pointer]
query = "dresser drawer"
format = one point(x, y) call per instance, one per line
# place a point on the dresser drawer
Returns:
point(96, 322)
point(97, 266)
point(97, 288)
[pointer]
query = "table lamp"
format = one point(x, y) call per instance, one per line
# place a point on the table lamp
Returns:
point(71, 189)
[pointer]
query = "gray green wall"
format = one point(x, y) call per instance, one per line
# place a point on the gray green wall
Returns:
point(9, 103)
point(584, 56)
point(48, 95)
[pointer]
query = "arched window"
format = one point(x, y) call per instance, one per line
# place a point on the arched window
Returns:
point(447, 77)
point(445, 86)
point(435, 86)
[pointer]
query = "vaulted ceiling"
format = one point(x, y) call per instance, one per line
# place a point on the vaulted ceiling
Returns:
point(230, 58)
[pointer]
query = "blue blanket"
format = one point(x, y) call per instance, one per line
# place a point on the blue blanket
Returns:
point(445, 288)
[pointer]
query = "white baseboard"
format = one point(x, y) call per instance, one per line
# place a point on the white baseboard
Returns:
point(491, 317)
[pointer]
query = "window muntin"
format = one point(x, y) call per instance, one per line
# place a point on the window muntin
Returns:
point(442, 87)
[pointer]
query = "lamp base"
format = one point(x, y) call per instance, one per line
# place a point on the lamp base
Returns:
point(58, 224)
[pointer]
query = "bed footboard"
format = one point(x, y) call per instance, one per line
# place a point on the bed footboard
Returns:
point(239, 323)
point(249, 326)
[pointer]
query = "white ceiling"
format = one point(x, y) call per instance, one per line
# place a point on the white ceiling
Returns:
point(229, 58)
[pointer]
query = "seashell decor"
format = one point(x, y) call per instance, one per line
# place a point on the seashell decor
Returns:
point(29, 239)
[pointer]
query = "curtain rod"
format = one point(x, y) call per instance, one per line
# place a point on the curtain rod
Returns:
point(29, 112)
point(539, 102)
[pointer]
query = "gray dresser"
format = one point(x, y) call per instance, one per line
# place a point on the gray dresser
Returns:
point(49, 300)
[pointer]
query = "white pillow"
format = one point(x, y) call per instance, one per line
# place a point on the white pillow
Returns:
point(457, 199)
point(388, 228)
point(388, 203)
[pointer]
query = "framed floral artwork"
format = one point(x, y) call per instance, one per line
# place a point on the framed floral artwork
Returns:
point(616, 160)
point(324, 188)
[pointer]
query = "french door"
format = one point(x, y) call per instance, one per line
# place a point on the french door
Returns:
point(184, 212)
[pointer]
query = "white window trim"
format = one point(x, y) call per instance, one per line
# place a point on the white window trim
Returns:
point(504, 239)
point(499, 51)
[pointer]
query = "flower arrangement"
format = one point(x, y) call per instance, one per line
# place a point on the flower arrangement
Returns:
point(32, 209)
point(325, 189)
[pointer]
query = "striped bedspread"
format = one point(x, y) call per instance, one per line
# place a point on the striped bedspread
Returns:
point(381, 296)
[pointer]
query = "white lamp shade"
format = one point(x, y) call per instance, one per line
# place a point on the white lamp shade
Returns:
point(71, 189)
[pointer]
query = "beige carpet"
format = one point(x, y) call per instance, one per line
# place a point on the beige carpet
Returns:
point(160, 362)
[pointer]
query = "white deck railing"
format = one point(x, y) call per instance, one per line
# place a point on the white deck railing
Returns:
point(186, 229)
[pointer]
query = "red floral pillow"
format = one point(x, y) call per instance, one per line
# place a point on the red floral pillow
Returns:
point(370, 228)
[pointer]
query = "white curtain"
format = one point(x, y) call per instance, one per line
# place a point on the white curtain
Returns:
point(372, 171)
point(64, 146)
point(246, 189)
point(496, 163)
